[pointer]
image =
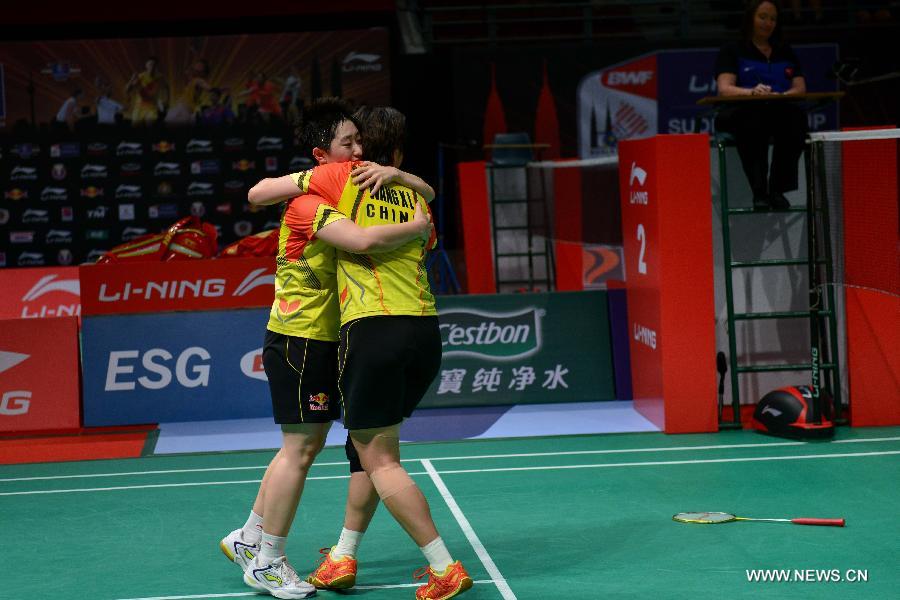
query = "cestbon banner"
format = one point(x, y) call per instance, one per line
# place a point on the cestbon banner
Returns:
point(197, 366)
point(658, 93)
point(158, 368)
point(523, 349)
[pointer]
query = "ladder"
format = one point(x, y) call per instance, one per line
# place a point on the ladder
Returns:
point(821, 314)
point(531, 219)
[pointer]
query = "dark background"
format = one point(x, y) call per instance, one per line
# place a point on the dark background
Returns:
point(444, 90)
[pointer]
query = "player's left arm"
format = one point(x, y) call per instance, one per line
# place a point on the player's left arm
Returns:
point(374, 176)
point(337, 230)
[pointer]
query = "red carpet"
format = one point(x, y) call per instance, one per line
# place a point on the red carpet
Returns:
point(61, 448)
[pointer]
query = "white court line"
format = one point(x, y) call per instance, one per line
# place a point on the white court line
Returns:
point(674, 462)
point(474, 457)
point(158, 485)
point(244, 594)
point(480, 550)
point(455, 472)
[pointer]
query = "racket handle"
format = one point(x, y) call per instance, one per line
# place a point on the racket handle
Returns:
point(831, 522)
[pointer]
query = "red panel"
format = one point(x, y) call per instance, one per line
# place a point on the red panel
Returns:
point(182, 285)
point(567, 246)
point(49, 292)
point(872, 260)
point(688, 302)
point(667, 238)
point(873, 321)
point(638, 184)
point(39, 374)
point(477, 243)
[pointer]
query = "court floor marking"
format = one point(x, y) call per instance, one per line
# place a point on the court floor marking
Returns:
point(473, 457)
point(257, 594)
point(494, 470)
point(469, 532)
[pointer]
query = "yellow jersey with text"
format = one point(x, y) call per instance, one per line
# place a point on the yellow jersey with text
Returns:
point(305, 284)
point(384, 283)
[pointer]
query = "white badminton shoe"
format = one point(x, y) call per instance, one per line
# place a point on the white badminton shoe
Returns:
point(277, 578)
point(237, 550)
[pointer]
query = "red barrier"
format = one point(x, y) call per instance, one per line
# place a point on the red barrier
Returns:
point(44, 292)
point(477, 241)
point(39, 374)
point(667, 236)
point(180, 285)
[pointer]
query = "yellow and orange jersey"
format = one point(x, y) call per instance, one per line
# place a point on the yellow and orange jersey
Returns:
point(305, 285)
point(386, 283)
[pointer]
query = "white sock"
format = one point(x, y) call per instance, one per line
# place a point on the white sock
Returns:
point(437, 555)
point(271, 547)
point(348, 544)
point(252, 529)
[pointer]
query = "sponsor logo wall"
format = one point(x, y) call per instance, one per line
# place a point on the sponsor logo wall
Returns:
point(154, 368)
point(39, 374)
point(67, 199)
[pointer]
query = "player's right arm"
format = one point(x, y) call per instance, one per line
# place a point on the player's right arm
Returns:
point(273, 190)
point(344, 234)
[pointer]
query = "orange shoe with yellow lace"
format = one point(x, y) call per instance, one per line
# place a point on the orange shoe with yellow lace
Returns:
point(334, 573)
point(452, 582)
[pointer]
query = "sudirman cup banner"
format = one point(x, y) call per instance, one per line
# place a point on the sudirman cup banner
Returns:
point(500, 349)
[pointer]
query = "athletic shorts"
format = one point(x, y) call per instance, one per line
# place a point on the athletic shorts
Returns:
point(385, 366)
point(302, 378)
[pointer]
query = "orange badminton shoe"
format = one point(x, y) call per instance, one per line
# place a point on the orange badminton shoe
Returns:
point(452, 582)
point(334, 573)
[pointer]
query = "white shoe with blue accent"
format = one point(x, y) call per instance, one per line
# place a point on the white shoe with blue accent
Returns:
point(237, 550)
point(277, 578)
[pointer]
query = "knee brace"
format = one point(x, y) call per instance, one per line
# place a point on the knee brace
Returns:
point(389, 481)
point(352, 456)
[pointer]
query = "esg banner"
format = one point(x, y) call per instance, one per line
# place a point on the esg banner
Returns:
point(192, 366)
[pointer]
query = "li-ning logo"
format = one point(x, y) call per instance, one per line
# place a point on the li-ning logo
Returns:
point(269, 143)
point(638, 174)
point(772, 411)
point(495, 336)
point(357, 61)
point(254, 279)
point(48, 284)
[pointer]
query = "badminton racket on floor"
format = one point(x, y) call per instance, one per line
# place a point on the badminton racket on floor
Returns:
point(720, 517)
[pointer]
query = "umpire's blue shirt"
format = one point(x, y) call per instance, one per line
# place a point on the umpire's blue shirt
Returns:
point(751, 66)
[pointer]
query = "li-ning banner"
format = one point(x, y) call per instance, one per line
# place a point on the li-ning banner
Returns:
point(194, 366)
point(658, 93)
point(176, 78)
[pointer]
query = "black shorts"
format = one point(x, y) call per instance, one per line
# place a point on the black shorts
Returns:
point(302, 378)
point(386, 365)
